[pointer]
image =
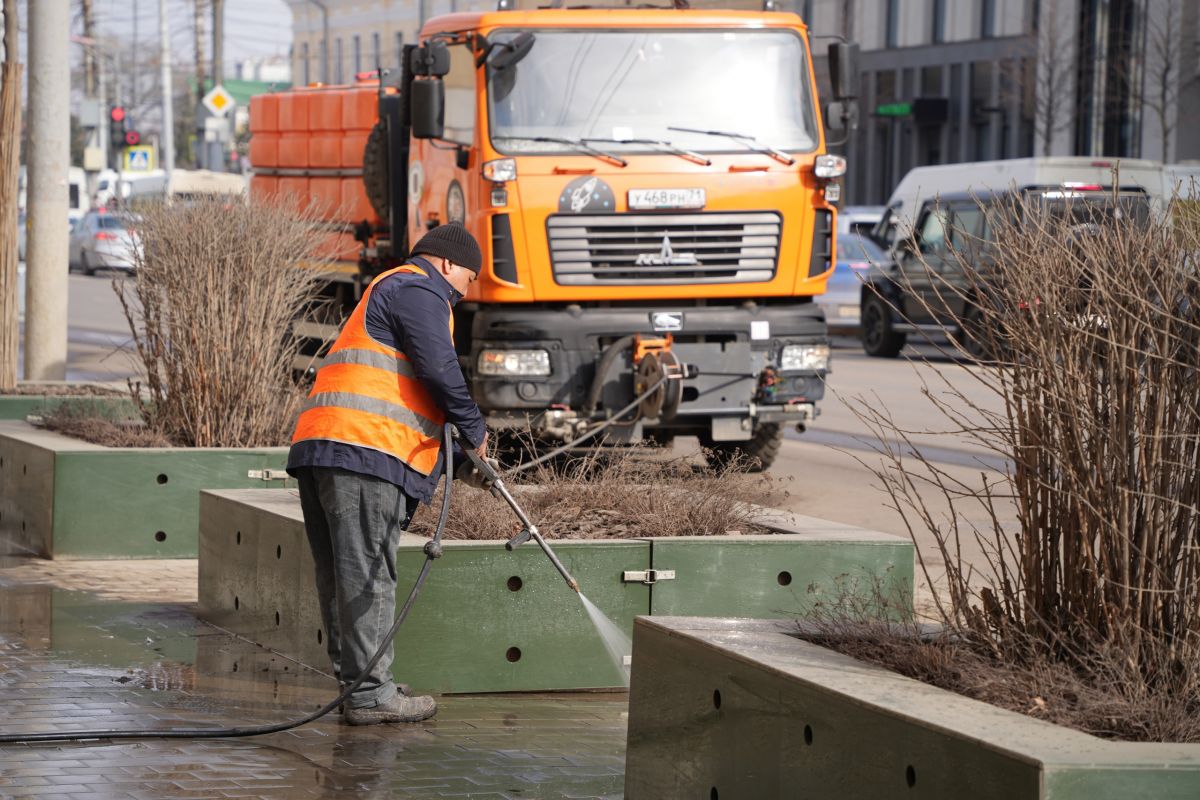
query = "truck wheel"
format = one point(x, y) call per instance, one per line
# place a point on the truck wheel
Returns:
point(879, 338)
point(375, 174)
point(754, 455)
point(971, 335)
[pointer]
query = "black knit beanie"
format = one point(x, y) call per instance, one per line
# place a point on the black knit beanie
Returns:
point(454, 242)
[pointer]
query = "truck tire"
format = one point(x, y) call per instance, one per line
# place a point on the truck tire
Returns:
point(972, 336)
point(879, 337)
point(757, 454)
point(375, 172)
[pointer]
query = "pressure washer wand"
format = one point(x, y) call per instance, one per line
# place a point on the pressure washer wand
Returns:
point(528, 530)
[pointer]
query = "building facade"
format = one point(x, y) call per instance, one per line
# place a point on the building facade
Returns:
point(947, 81)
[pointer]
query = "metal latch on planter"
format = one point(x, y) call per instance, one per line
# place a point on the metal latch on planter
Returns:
point(647, 576)
point(268, 474)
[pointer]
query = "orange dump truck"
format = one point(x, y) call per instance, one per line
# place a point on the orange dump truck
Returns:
point(652, 196)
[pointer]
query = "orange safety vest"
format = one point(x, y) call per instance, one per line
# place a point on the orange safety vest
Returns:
point(367, 395)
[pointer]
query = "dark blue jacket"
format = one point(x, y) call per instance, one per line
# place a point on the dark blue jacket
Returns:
point(409, 313)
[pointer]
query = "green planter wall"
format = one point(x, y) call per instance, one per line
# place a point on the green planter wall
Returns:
point(20, 406)
point(63, 498)
point(489, 620)
point(736, 708)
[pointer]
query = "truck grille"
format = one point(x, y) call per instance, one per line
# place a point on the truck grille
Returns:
point(608, 249)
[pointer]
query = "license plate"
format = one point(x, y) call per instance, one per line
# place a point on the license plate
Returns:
point(847, 311)
point(651, 199)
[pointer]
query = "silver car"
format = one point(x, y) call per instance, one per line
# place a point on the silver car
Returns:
point(102, 240)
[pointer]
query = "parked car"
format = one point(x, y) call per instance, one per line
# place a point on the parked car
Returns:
point(858, 219)
point(103, 241)
point(856, 257)
point(925, 288)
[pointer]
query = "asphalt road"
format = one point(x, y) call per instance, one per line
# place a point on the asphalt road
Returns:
point(829, 471)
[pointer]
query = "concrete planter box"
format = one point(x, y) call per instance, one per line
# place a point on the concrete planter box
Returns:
point(490, 621)
point(64, 498)
point(20, 406)
point(724, 708)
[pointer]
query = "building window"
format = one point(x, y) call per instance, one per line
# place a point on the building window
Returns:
point(338, 63)
point(400, 49)
point(357, 54)
point(304, 63)
point(892, 22)
point(375, 62)
point(938, 33)
point(987, 19)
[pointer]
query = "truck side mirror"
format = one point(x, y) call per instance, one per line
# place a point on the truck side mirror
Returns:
point(430, 60)
point(427, 108)
point(843, 70)
point(502, 55)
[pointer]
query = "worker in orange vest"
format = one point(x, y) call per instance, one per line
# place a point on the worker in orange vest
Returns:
point(367, 450)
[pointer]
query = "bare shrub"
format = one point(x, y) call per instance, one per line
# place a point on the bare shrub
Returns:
point(610, 496)
point(218, 284)
point(1092, 318)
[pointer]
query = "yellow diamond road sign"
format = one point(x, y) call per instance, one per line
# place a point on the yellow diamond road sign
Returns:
point(218, 101)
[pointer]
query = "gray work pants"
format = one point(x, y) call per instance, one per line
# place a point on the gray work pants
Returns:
point(353, 522)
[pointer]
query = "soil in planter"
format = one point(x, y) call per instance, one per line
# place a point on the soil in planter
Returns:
point(82, 421)
point(64, 390)
point(1094, 697)
point(631, 495)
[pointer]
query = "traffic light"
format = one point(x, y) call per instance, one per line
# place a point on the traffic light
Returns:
point(132, 138)
point(116, 127)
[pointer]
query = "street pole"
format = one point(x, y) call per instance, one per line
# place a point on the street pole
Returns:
point(324, 39)
point(198, 118)
point(167, 141)
point(218, 66)
point(48, 160)
point(10, 147)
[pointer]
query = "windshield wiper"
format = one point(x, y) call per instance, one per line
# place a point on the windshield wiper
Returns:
point(665, 145)
point(754, 143)
point(579, 143)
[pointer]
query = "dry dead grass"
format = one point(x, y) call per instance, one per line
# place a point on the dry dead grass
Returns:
point(64, 390)
point(85, 421)
point(611, 496)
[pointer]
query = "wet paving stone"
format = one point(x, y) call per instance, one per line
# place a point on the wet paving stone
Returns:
point(77, 660)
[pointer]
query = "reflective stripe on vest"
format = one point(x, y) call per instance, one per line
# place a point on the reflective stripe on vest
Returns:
point(366, 394)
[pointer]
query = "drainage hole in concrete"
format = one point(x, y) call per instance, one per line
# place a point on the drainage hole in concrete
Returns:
point(239, 537)
point(160, 536)
point(279, 551)
point(320, 636)
point(808, 734)
point(22, 526)
point(236, 603)
point(162, 478)
point(276, 617)
point(235, 666)
point(716, 698)
point(784, 578)
point(24, 469)
point(515, 583)
point(513, 654)
point(910, 775)
point(712, 795)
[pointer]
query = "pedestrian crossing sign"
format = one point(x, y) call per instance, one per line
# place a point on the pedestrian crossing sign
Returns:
point(138, 159)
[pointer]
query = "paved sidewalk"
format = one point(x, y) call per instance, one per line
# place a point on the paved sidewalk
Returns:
point(75, 660)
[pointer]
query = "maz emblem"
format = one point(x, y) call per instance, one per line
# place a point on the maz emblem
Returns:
point(666, 257)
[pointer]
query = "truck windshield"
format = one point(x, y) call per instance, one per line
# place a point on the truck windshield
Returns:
point(630, 87)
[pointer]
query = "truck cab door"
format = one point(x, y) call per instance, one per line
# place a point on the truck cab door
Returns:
point(440, 169)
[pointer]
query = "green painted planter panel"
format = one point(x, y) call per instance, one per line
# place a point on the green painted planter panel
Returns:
point(493, 620)
point(20, 406)
point(774, 576)
point(143, 503)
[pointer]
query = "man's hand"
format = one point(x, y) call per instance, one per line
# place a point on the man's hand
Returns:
point(469, 474)
point(481, 451)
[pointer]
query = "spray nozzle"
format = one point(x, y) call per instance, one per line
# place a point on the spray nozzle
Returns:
point(520, 539)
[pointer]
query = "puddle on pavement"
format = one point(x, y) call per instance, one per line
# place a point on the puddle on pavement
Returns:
point(156, 665)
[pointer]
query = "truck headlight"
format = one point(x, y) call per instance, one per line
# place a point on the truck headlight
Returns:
point(501, 170)
point(806, 357)
point(514, 362)
point(829, 167)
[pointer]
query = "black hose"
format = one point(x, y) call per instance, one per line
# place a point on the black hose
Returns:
point(433, 549)
point(608, 358)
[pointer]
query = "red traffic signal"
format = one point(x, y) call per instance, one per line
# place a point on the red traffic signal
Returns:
point(117, 114)
point(132, 138)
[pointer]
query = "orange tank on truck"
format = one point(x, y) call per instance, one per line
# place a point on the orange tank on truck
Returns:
point(652, 194)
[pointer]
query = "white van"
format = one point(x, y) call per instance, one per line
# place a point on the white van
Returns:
point(78, 201)
point(1076, 173)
